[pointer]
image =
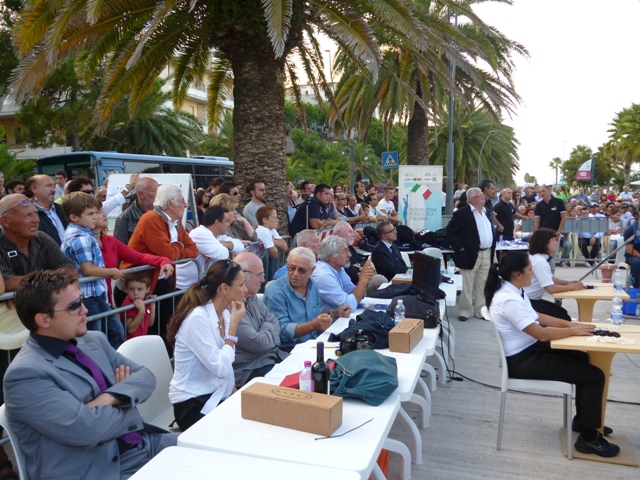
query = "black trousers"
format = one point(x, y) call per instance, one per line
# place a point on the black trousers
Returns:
point(188, 412)
point(549, 308)
point(595, 249)
point(540, 362)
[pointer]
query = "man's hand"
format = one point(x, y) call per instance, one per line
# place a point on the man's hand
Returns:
point(133, 179)
point(343, 311)
point(166, 269)
point(368, 271)
point(122, 373)
point(116, 274)
point(104, 400)
point(592, 241)
point(322, 322)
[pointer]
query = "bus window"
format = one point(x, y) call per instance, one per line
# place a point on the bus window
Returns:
point(177, 168)
point(141, 167)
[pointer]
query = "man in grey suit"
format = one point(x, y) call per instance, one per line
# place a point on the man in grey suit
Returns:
point(69, 396)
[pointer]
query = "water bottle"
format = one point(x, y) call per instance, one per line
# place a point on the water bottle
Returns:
point(617, 282)
point(443, 269)
point(306, 382)
point(616, 311)
point(451, 269)
point(398, 313)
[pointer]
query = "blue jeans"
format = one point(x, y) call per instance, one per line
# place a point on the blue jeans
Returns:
point(115, 330)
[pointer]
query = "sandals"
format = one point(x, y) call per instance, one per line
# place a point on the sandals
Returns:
point(8, 476)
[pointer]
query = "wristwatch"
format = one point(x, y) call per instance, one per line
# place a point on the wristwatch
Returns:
point(126, 188)
point(231, 337)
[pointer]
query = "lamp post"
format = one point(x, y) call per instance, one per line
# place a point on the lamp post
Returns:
point(480, 155)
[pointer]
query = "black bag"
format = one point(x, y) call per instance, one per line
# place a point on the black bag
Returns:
point(376, 325)
point(419, 306)
point(405, 234)
point(364, 374)
point(393, 291)
point(427, 236)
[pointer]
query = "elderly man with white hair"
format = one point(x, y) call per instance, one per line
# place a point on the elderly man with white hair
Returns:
point(354, 267)
point(160, 232)
point(336, 288)
point(306, 238)
point(295, 301)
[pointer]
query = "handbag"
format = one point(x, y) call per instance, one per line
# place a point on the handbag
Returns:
point(366, 375)
point(418, 306)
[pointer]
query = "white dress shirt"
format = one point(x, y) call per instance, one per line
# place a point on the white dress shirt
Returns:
point(485, 232)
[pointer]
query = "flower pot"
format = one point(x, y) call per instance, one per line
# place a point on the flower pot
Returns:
point(607, 272)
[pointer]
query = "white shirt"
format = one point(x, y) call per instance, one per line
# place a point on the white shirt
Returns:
point(386, 206)
point(542, 276)
point(267, 236)
point(511, 314)
point(173, 229)
point(210, 250)
point(203, 362)
point(110, 203)
point(484, 227)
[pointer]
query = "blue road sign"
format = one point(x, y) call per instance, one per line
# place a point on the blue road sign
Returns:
point(390, 160)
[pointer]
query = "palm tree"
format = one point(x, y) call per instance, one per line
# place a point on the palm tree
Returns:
point(530, 178)
point(155, 130)
point(555, 163)
point(412, 86)
point(623, 148)
point(136, 39)
point(499, 155)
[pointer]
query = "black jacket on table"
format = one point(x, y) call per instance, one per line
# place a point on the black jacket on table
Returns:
point(462, 233)
point(387, 263)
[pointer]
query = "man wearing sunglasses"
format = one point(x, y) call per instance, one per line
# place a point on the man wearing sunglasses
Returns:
point(71, 398)
point(53, 221)
point(23, 248)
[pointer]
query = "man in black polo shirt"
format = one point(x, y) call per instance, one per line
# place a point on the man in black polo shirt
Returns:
point(317, 212)
point(550, 212)
point(505, 212)
point(23, 248)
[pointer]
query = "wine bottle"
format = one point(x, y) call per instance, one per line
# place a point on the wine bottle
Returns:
point(320, 372)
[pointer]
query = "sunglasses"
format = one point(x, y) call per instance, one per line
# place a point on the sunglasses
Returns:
point(74, 307)
point(22, 203)
point(235, 194)
point(90, 192)
point(293, 268)
point(230, 266)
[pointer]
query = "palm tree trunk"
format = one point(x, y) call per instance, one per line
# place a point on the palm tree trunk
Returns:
point(258, 117)
point(417, 134)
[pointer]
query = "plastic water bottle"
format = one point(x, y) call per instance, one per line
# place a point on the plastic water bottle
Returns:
point(306, 383)
point(451, 269)
point(399, 312)
point(616, 311)
point(617, 281)
point(443, 269)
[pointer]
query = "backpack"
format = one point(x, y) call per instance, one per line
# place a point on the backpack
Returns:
point(418, 306)
point(376, 325)
point(366, 375)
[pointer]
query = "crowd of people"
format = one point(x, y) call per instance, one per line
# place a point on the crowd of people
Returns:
point(220, 333)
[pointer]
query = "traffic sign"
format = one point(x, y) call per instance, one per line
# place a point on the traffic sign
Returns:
point(390, 160)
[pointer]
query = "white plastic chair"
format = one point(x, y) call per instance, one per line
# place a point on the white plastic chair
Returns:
point(21, 464)
point(433, 252)
point(406, 258)
point(149, 351)
point(566, 389)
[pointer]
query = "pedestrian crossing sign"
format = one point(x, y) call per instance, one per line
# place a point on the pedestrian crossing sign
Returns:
point(390, 160)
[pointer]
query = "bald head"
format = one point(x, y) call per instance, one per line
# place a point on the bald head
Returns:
point(146, 189)
point(344, 230)
point(19, 218)
point(42, 188)
point(506, 194)
point(9, 201)
point(253, 269)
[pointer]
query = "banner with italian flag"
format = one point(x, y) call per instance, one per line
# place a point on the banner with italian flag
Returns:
point(420, 196)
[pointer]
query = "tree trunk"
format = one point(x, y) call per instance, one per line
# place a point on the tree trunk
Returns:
point(258, 117)
point(417, 134)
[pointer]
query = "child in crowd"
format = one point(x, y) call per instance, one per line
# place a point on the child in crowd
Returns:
point(81, 246)
point(267, 232)
point(138, 320)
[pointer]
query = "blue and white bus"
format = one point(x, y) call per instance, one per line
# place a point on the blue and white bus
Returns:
point(99, 165)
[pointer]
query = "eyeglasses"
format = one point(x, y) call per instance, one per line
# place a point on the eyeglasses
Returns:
point(74, 307)
point(22, 203)
point(389, 231)
point(236, 193)
point(90, 192)
point(261, 275)
point(293, 268)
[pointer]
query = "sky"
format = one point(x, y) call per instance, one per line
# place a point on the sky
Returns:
point(583, 68)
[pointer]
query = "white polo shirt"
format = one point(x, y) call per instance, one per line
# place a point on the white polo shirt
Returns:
point(511, 314)
point(542, 276)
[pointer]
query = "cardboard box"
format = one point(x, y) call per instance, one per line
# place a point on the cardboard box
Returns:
point(406, 335)
point(286, 407)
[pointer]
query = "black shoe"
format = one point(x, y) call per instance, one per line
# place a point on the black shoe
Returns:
point(463, 319)
point(599, 446)
point(576, 427)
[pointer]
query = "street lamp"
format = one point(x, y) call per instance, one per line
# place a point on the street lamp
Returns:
point(480, 155)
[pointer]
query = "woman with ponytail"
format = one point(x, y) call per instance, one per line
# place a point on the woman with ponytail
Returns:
point(203, 331)
point(525, 336)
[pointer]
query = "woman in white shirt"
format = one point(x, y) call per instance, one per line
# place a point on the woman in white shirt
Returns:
point(203, 331)
point(542, 247)
point(525, 337)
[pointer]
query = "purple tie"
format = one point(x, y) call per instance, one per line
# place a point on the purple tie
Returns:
point(85, 360)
